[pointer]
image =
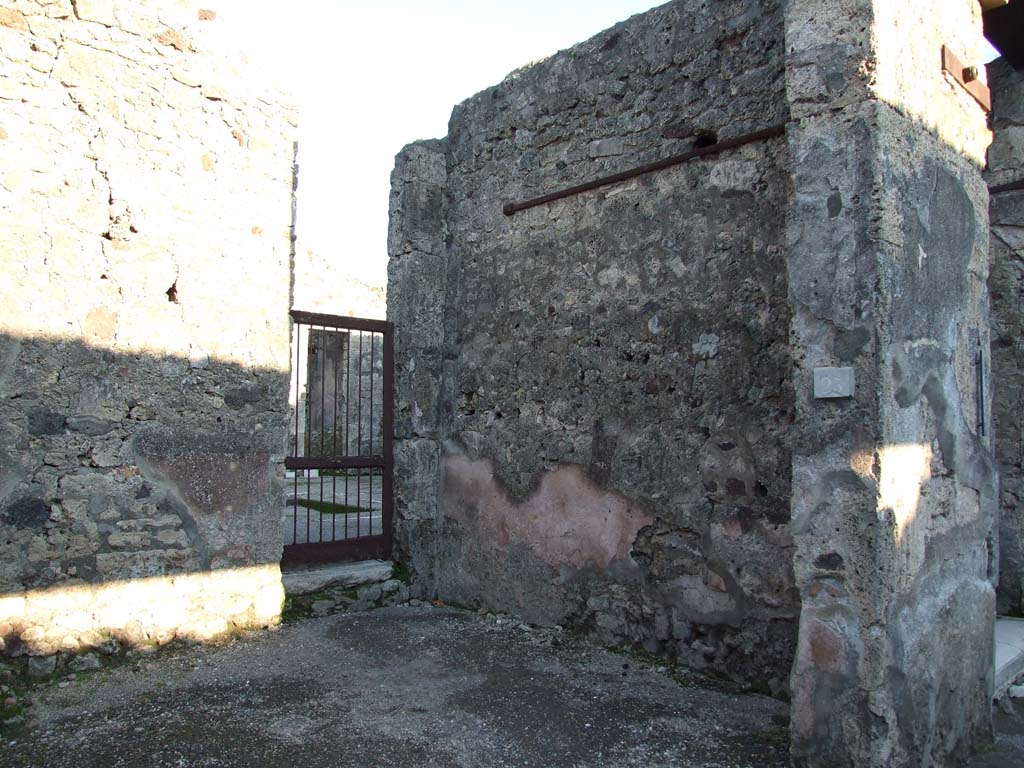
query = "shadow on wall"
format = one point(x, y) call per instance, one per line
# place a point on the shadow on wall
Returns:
point(138, 496)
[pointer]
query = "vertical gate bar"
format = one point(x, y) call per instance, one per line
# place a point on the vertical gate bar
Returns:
point(323, 414)
point(348, 389)
point(309, 430)
point(334, 395)
point(373, 348)
point(295, 472)
point(348, 397)
point(359, 435)
point(298, 365)
point(387, 418)
point(323, 377)
point(359, 400)
point(336, 336)
point(370, 502)
point(309, 409)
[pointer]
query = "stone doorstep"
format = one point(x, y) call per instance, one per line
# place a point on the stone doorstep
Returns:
point(308, 581)
point(1009, 662)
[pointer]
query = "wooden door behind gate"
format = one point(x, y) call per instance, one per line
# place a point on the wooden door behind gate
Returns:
point(339, 463)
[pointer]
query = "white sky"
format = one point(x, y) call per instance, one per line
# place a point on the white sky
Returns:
point(373, 75)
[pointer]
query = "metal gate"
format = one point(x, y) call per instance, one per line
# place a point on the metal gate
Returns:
point(339, 463)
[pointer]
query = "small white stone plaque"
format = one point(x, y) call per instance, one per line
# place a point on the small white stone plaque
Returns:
point(833, 382)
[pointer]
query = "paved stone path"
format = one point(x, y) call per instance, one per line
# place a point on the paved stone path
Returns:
point(403, 686)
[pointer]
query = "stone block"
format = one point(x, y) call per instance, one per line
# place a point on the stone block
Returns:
point(348, 575)
point(101, 11)
point(41, 666)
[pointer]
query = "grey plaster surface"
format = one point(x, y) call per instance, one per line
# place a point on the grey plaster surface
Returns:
point(400, 686)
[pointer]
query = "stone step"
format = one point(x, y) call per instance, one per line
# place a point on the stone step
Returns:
point(346, 575)
point(1009, 653)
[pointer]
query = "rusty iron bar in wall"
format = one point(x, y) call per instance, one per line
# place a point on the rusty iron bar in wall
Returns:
point(1013, 186)
point(768, 133)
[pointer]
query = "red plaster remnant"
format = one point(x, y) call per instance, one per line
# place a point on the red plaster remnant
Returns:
point(239, 137)
point(822, 650)
point(568, 520)
point(174, 39)
point(205, 14)
point(828, 652)
point(222, 487)
point(13, 19)
point(802, 712)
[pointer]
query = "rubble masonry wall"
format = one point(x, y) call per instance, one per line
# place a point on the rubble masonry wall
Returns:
point(1006, 286)
point(594, 426)
point(145, 237)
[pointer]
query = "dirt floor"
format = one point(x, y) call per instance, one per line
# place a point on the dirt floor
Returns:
point(397, 687)
point(1008, 749)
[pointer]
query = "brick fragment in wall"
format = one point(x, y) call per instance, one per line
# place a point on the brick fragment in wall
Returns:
point(175, 39)
point(13, 19)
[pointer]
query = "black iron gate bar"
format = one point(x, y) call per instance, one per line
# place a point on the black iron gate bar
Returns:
point(331, 449)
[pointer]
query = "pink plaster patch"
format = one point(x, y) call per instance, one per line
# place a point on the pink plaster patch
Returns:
point(827, 649)
point(568, 520)
point(802, 710)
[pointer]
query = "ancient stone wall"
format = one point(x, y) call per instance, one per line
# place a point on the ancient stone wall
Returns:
point(146, 205)
point(1006, 286)
point(594, 426)
point(611, 420)
point(894, 488)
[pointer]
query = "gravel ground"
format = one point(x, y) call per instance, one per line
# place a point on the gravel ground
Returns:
point(1007, 751)
point(398, 687)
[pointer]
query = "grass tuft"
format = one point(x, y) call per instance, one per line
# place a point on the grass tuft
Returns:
point(328, 508)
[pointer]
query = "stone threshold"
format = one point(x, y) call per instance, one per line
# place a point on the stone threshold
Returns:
point(1009, 650)
point(338, 575)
